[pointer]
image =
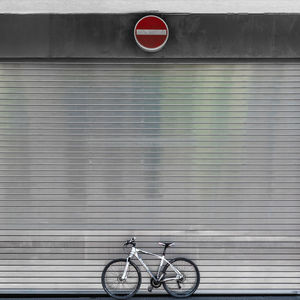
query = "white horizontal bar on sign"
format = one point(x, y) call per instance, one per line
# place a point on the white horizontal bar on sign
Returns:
point(151, 32)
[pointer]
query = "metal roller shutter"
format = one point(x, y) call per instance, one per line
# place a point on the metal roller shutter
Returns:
point(205, 154)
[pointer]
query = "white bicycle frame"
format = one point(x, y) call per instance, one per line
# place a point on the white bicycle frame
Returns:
point(159, 277)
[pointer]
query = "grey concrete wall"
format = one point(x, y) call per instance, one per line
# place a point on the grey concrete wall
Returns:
point(111, 36)
point(162, 6)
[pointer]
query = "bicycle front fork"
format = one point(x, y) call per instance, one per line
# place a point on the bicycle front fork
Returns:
point(124, 276)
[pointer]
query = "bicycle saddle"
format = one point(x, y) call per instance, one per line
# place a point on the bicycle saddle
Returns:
point(166, 244)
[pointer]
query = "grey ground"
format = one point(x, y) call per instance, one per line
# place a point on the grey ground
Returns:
point(202, 297)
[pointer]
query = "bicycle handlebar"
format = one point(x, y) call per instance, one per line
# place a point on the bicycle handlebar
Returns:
point(130, 242)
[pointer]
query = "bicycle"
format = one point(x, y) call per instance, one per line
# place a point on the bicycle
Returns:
point(121, 278)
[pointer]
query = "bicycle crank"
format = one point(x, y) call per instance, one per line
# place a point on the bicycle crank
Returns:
point(154, 284)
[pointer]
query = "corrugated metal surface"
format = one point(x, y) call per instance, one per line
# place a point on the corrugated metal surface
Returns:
point(205, 154)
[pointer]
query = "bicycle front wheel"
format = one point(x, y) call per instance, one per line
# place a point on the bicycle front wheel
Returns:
point(188, 284)
point(112, 279)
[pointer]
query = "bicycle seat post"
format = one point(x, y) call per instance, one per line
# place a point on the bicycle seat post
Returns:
point(164, 251)
point(166, 245)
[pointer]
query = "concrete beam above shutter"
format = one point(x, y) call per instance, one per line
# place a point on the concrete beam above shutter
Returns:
point(111, 36)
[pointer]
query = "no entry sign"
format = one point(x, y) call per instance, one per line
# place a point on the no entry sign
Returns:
point(151, 33)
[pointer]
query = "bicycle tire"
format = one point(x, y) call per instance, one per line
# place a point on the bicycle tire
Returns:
point(104, 281)
point(181, 294)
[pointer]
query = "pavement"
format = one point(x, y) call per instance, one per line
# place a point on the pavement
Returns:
point(151, 297)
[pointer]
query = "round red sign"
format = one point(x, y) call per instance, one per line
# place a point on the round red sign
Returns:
point(151, 33)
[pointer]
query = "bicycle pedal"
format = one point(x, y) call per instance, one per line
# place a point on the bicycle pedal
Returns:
point(150, 288)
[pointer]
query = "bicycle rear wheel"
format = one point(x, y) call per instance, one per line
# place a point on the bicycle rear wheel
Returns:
point(112, 279)
point(188, 284)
